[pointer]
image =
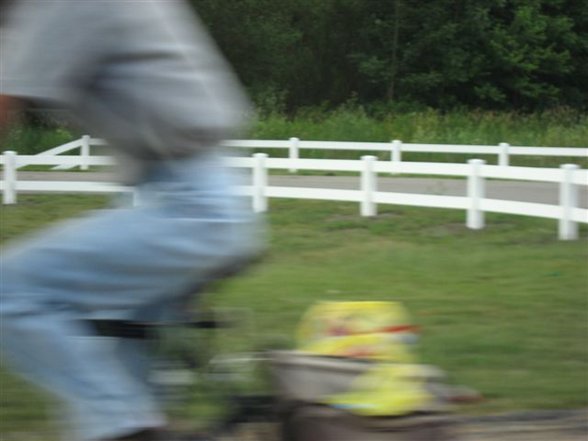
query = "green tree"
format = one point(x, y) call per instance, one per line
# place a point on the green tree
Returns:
point(523, 54)
point(483, 53)
point(258, 37)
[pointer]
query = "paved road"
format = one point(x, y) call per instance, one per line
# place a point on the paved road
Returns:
point(540, 192)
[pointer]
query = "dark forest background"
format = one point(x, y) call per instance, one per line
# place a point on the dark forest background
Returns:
point(523, 55)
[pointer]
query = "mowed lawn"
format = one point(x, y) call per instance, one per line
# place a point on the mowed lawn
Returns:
point(503, 310)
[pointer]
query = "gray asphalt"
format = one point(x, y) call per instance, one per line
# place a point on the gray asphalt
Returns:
point(539, 192)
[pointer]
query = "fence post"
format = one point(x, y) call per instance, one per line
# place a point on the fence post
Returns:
point(9, 192)
point(293, 152)
point(396, 153)
point(476, 192)
point(568, 200)
point(85, 152)
point(259, 183)
point(503, 155)
point(368, 186)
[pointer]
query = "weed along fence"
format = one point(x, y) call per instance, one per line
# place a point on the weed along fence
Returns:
point(568, 177)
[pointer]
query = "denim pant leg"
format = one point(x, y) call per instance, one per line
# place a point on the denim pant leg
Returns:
point(116, 264)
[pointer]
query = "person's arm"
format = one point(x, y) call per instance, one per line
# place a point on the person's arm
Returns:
point(42, 63)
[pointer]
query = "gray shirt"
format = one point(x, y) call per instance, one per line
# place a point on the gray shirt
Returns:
point(141, 73)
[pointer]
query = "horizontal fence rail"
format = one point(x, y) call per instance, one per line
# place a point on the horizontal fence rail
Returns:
point(395, 149)
point(568, 177)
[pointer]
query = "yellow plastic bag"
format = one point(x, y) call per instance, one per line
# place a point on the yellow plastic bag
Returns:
point(372, 330)
point(377, 331)
point(385, 390)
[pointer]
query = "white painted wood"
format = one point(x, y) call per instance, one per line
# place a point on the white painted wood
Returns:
point(502, 151)
point(422, 200)
point(293, 154)
point(569, 177)
point(85, 152)
point(503, 156)
point(396, 155)
point(70, 187)
point(520, 208)
point(10, 179)
point(259, 183)
point(368, 186)
point(69, 160)
point(568, 198)
point(476, 192)
point(314, 193)
point(521, 173)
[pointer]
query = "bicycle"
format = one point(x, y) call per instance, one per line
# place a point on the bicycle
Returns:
point(190, 365)
point(286, 406)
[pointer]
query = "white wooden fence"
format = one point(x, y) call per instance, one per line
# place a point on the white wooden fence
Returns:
point(568, 177)
point(395, 149)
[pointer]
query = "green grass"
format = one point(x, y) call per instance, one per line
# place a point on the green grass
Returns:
point(28, 140)
point(554, 128)
point(503, 310)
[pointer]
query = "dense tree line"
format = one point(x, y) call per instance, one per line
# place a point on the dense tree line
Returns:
point(494, 54)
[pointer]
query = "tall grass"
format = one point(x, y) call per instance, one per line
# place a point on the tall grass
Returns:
point(553, 128)
point(556, 128)
point(29, 140)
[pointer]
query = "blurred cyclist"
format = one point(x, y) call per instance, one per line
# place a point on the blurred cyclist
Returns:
point(144, 75)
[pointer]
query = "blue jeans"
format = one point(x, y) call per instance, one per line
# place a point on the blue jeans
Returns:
point(130, 263)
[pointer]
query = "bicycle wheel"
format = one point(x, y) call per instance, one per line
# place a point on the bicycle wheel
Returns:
point(303, 423)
